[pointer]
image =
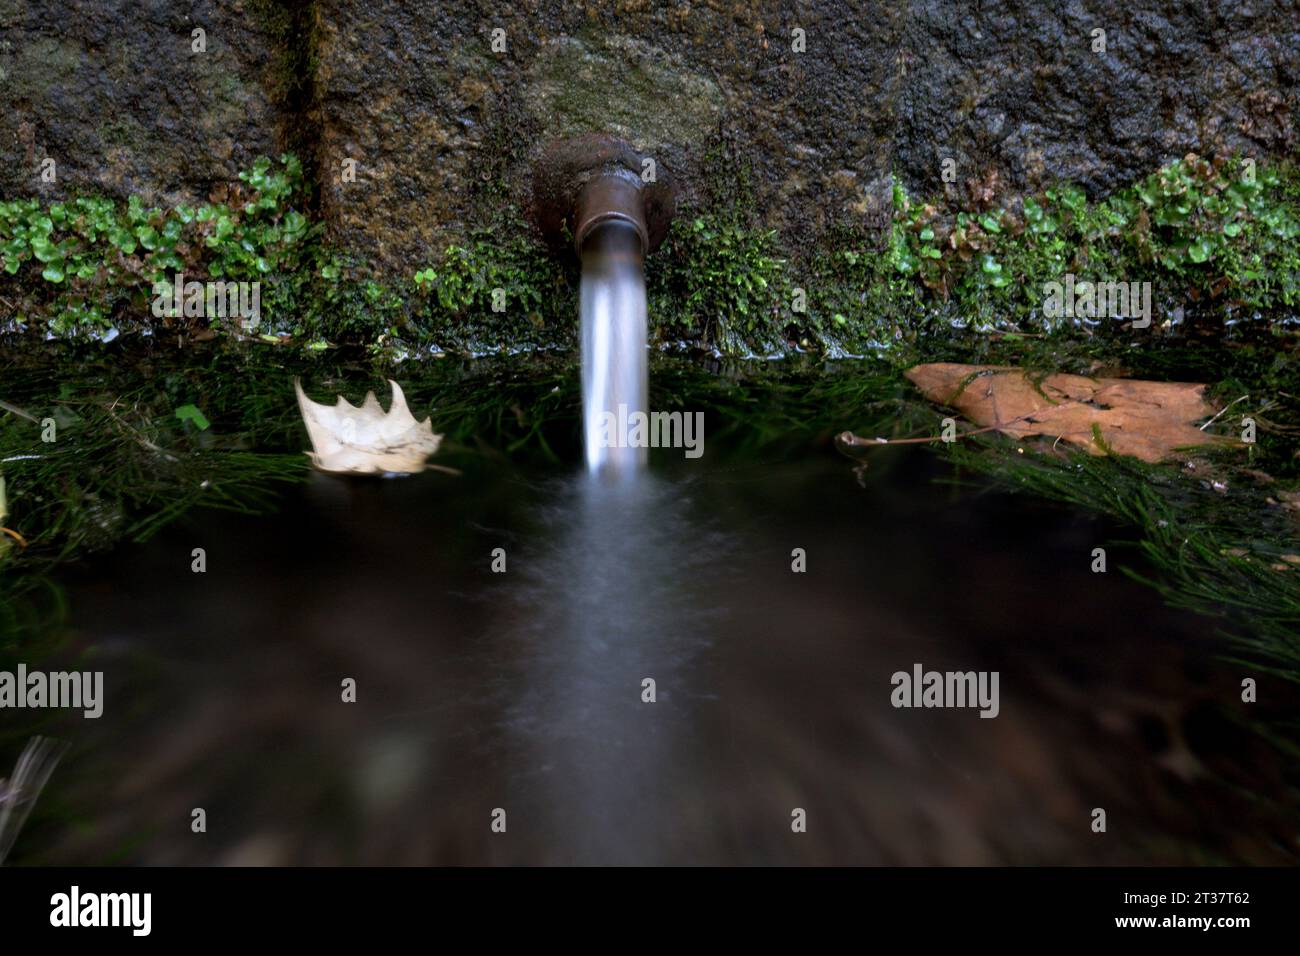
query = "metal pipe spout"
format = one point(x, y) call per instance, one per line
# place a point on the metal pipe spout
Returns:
point(581, 183)
point(613, 195)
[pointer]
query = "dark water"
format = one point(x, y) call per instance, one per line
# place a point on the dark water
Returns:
point(523, 690)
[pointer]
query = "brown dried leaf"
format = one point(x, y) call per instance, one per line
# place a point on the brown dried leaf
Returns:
point(1148, 420)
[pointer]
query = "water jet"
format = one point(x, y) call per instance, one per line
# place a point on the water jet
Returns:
point(595, 192)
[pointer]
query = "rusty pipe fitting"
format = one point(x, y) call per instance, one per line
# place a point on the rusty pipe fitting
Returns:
point(612, 195)
point(581, 183)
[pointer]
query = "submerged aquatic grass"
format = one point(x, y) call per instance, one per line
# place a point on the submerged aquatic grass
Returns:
point(140, 437)
point(1218, 532)
point(132, 453)
point(95, 465)
point(1227, 552)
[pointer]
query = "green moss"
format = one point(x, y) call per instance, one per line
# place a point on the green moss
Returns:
point(84, 265)
point(291, 27)
point(583, 83)
point(719, 281)
point(281, 21)
point(41, 66)
point(1215, 241)
point(494, 293)
point(721, 284)
point(859, 299)
point(1216, 237)
point(121, 131)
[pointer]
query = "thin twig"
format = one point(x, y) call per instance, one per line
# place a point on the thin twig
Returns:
point(135, 433)
point(15, 410)
point(853, 441)
point(1222, 410)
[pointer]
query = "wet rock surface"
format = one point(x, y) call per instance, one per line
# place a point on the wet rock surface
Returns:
point(437, 110)
point(114, 92)
point(1018, 97)
point(442, 107)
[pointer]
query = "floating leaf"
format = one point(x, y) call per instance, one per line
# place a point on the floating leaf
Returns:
point(1148, 420)
point(366, 441)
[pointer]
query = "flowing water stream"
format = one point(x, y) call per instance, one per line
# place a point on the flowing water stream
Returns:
point(612, 317)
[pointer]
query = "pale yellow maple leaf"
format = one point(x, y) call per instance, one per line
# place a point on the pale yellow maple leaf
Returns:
point(366, 441)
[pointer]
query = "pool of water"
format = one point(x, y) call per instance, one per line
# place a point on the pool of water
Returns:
point(501, 627)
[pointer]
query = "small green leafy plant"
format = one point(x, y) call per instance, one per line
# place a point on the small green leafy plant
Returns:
point(718, 280)
point(492, 292)
point(1204, 233)
point(86, 264)
point(1217, 237)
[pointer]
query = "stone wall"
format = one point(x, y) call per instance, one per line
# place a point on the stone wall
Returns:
point(1017, 96)
point(114, 92)
point(443, 127)
point(419, 97)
